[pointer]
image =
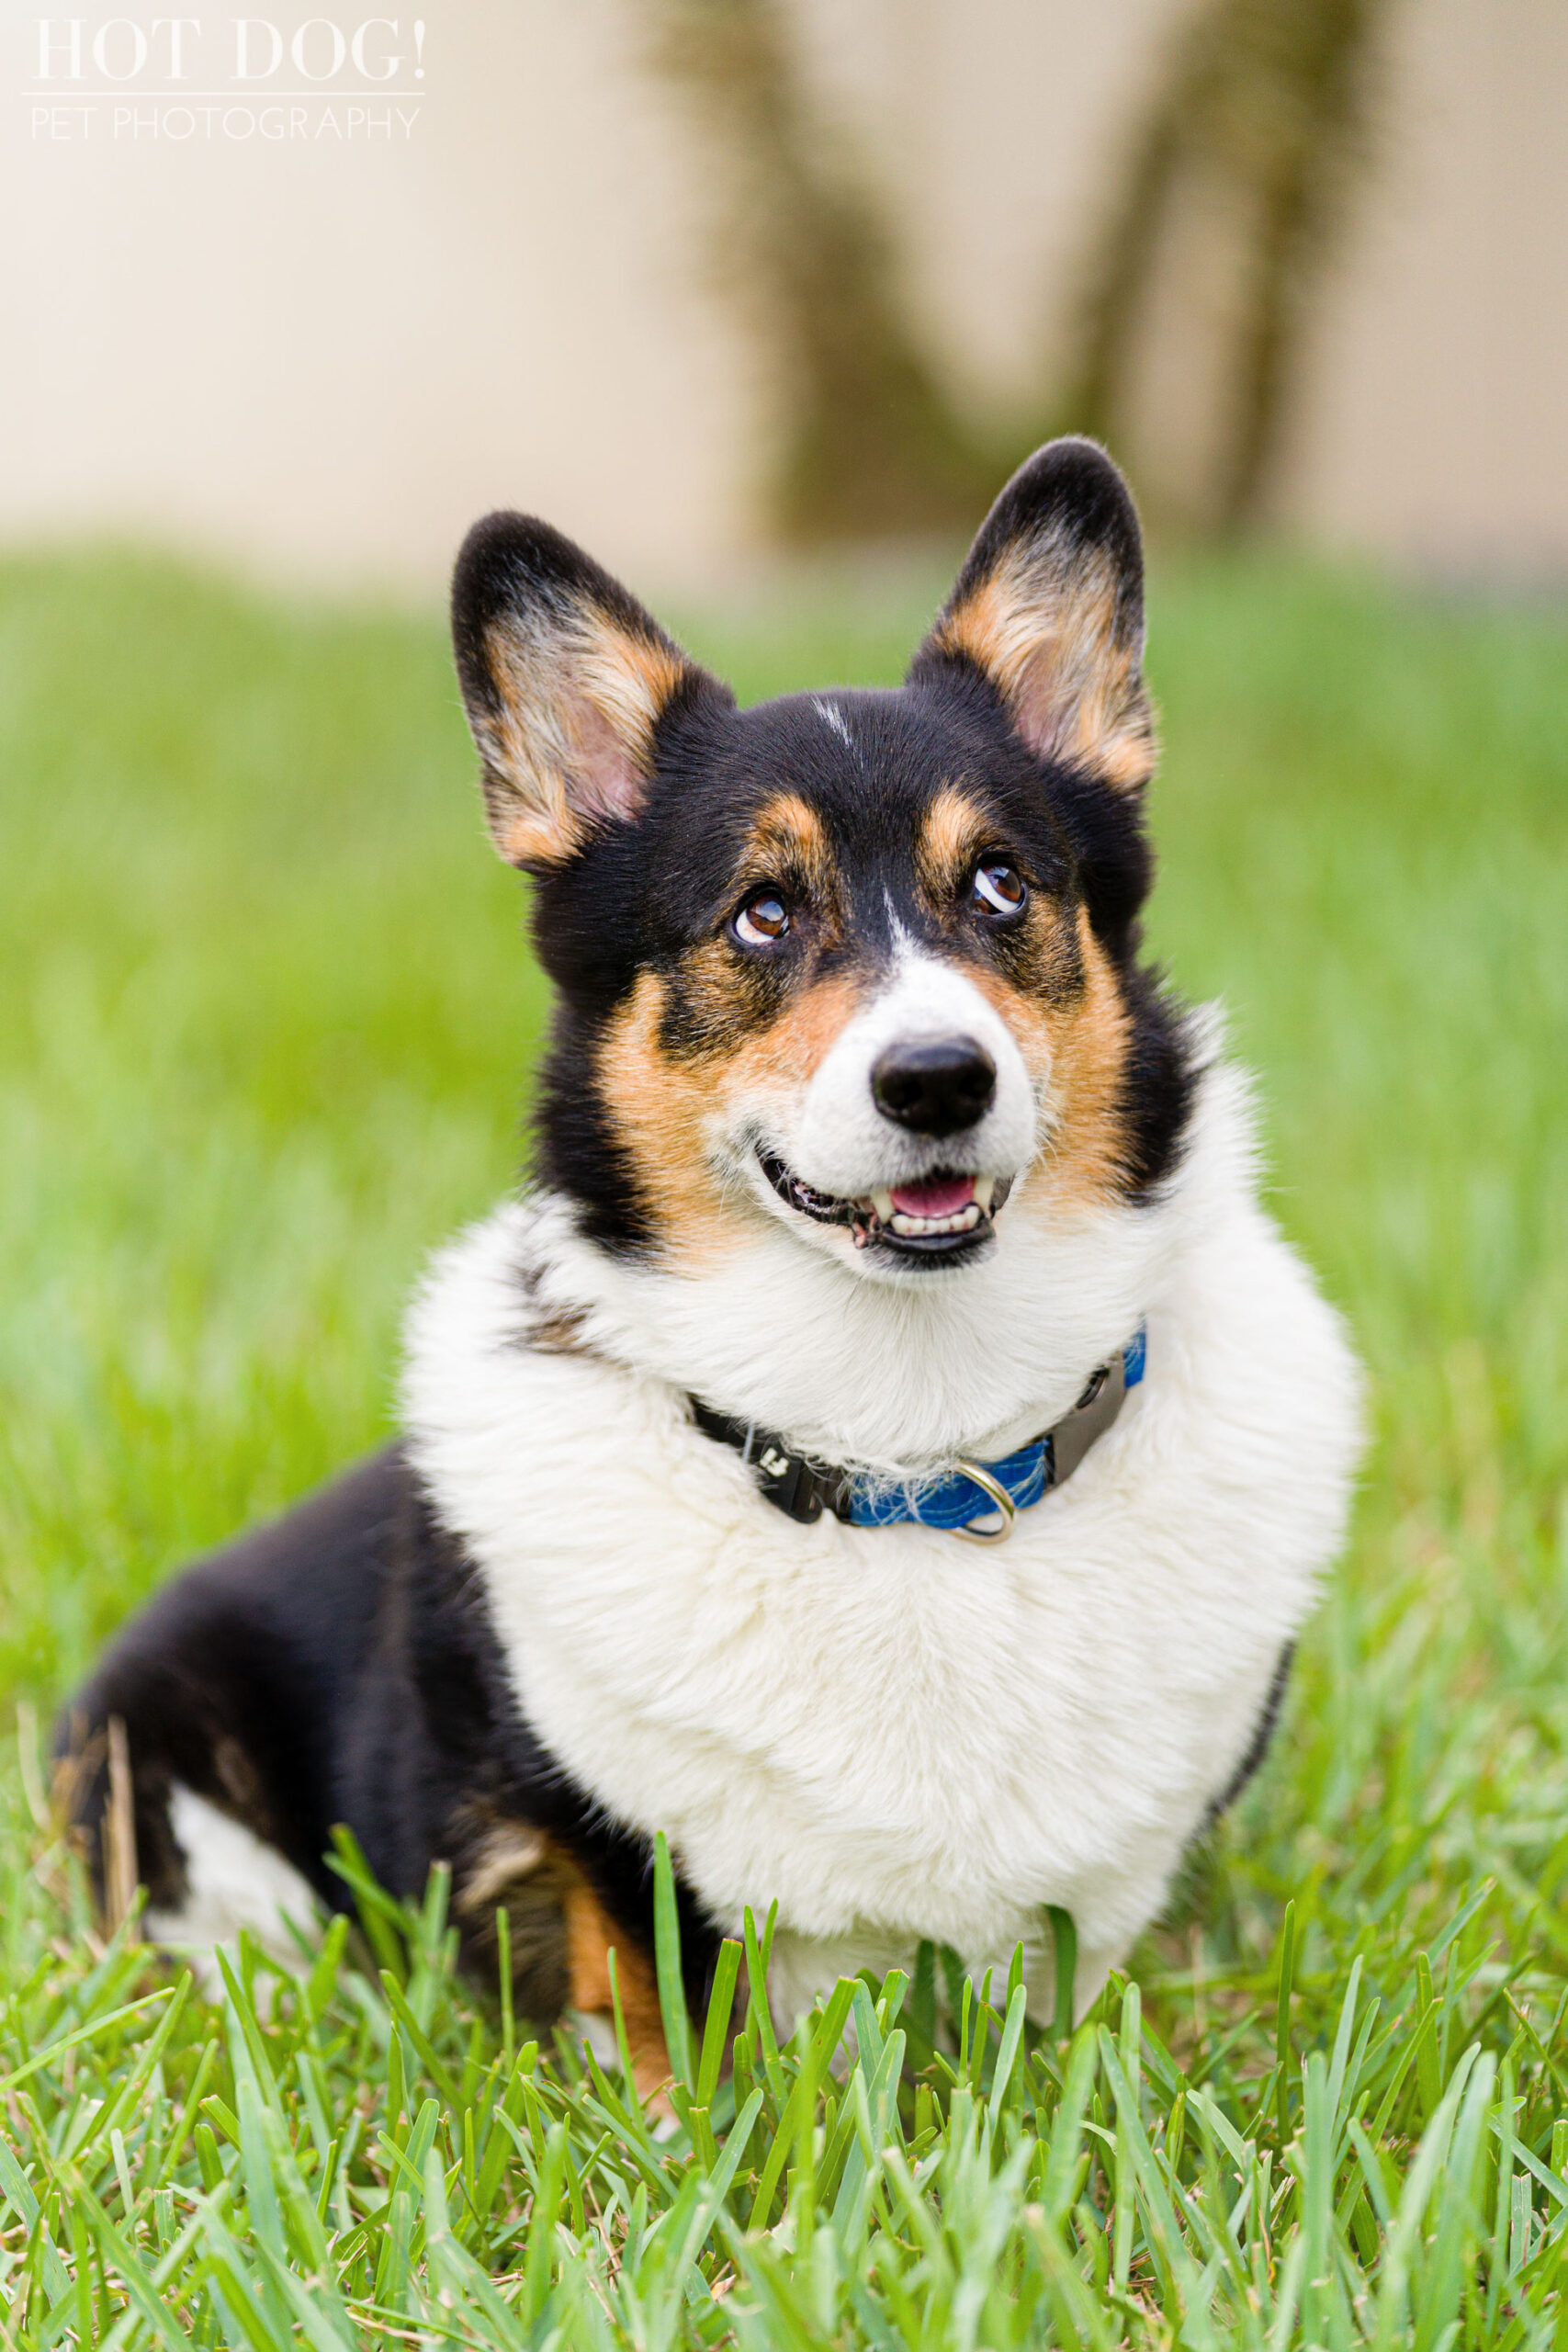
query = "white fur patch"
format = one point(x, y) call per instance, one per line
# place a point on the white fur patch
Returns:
point(831, 716)
point(895, 1733)
point(233, 1881)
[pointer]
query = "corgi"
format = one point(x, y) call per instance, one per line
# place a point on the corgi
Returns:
point(887, 1446)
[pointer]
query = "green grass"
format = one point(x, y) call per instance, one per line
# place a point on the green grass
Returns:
point(267, 1021)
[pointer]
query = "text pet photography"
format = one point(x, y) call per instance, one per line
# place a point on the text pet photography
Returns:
point(178, 79)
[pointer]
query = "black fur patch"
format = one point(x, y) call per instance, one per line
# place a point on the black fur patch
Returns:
point(339, 1665)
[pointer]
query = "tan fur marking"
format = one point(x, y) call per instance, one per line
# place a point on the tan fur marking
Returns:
point(663, 1104)
point(580, 699)
point(1045, 634)
point(591, 1935)
point(1082, 1049)
point(559, 1332)
point(661, 1108)
point(953, 834)
point(788, 840)
point(503, 1863)
point(509, 1853)
point(791, 1051)
point(1089, 1150)
point(74, 1774)
point(657, 669)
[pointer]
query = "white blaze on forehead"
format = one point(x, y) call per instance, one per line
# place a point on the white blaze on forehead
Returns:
point(842, 1144)
point(895, 925)
point(831, 716)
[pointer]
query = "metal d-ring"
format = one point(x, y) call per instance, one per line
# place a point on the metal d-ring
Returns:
point(998, 1495)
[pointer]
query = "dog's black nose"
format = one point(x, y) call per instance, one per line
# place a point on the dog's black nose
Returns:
point(934, 1085)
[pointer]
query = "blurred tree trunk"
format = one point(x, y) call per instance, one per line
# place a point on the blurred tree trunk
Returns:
point(1241, 169)
point(868, 441)
point(1269, 104)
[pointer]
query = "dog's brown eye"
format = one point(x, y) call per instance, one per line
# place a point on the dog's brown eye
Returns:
point(1000, 889)
point(761, 919)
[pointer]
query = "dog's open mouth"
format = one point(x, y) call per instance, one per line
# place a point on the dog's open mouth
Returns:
point(939, 1217)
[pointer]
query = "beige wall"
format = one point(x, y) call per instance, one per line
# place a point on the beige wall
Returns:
point(325, 359)
point(332, 356)
point(1435, 421)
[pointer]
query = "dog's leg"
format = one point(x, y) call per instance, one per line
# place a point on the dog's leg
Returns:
point(234, 1880)
point(207, 1871)
point(591, 1935)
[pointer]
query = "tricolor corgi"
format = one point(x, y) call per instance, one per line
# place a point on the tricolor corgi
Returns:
point(887, 1445)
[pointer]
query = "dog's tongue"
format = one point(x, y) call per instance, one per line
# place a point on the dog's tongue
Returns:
point(943, 1196)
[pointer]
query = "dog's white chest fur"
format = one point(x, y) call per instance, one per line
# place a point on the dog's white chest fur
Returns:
point(893, 1733)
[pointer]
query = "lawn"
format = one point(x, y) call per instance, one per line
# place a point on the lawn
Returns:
point(267, 1026)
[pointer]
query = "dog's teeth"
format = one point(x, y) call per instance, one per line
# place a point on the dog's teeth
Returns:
point(984, 1188)
point(966, 1220)
point(883, 1203)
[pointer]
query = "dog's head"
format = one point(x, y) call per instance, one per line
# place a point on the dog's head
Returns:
point(859, 963)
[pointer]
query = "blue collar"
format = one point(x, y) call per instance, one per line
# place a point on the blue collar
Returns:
point(962, 1498)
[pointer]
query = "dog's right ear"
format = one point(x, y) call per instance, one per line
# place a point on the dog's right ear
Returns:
point(565, 680)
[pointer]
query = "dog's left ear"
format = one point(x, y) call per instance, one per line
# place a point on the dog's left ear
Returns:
point(1050, 606)
point(566, 680)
